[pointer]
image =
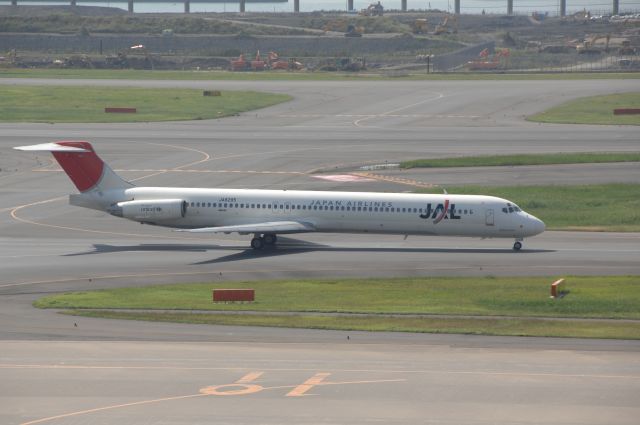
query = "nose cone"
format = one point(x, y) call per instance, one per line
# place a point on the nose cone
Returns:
point(537, 225)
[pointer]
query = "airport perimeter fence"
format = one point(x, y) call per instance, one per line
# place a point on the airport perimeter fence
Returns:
point(587, 63)
point(534, 62)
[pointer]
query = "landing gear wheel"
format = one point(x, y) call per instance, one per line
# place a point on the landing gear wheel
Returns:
point(517, 246)
point(257, 243)
point(270, 239)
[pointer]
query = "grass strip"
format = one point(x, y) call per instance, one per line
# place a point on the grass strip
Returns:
point(528, 159)
point(593, 110)
point(130, 74)
point(507, 327)
point(615, 297)
point(86, 104)
point(607, 207)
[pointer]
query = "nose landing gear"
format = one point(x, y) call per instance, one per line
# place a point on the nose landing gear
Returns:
point(517, 245)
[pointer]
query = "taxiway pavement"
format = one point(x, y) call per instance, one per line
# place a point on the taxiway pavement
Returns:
point(98, 371)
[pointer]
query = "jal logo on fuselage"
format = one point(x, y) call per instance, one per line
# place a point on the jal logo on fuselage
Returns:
point(440, 212)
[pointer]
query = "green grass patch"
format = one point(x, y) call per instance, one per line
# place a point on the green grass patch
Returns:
point(593, 110)
point(590, 297)
point(498, 326)
point(606, 207)
point(275, 75)
point(86, 104)
point(510, 306)
point(513, 160)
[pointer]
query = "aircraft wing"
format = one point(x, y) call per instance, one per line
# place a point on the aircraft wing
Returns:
point(281, 227)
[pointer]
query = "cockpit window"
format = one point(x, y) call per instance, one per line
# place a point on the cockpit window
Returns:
point(510, 208)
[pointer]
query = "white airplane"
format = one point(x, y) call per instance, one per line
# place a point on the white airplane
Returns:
point(267, 213)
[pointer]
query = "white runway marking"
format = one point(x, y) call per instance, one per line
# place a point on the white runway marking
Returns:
point(376, 116)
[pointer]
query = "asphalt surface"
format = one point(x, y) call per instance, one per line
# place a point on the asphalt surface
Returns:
point(64, 370)
point(525, 175)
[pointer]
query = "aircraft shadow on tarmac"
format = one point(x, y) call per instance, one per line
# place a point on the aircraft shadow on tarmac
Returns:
point(105, 249)
point(283, 249)
point(286, 246)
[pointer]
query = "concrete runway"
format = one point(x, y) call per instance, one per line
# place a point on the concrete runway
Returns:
point(98, 371)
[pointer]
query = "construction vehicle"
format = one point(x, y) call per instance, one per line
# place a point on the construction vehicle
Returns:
point(374, 9)
point(354, 31)
point(499, 60)
point(239, 64)
point(258, 64)
point(242, 64)
point(140, 49)
point(420, 26)
point(274, 62)
point(294, 65)
point(588, 46)
point(626, 48)
point(448, 25)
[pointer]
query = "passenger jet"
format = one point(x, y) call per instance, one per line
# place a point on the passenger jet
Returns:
point(268, 213)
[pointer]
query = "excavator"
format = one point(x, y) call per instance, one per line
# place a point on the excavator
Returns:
point(444, 26)
point(589, 47)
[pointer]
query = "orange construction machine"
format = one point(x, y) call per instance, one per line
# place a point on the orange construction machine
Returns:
point(499, 60)
point(241, 64)
point(274, 62)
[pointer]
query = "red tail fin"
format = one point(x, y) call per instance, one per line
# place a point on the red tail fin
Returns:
point(83, 168)
point(82, 165)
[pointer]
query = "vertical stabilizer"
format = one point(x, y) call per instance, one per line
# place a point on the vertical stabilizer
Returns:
point(85, 169)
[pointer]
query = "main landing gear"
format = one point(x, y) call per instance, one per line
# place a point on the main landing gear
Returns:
point(259, 242)
point(517, 245)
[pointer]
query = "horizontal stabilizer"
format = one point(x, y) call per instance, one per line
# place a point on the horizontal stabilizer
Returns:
point(51, 147)
point(267, 227)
